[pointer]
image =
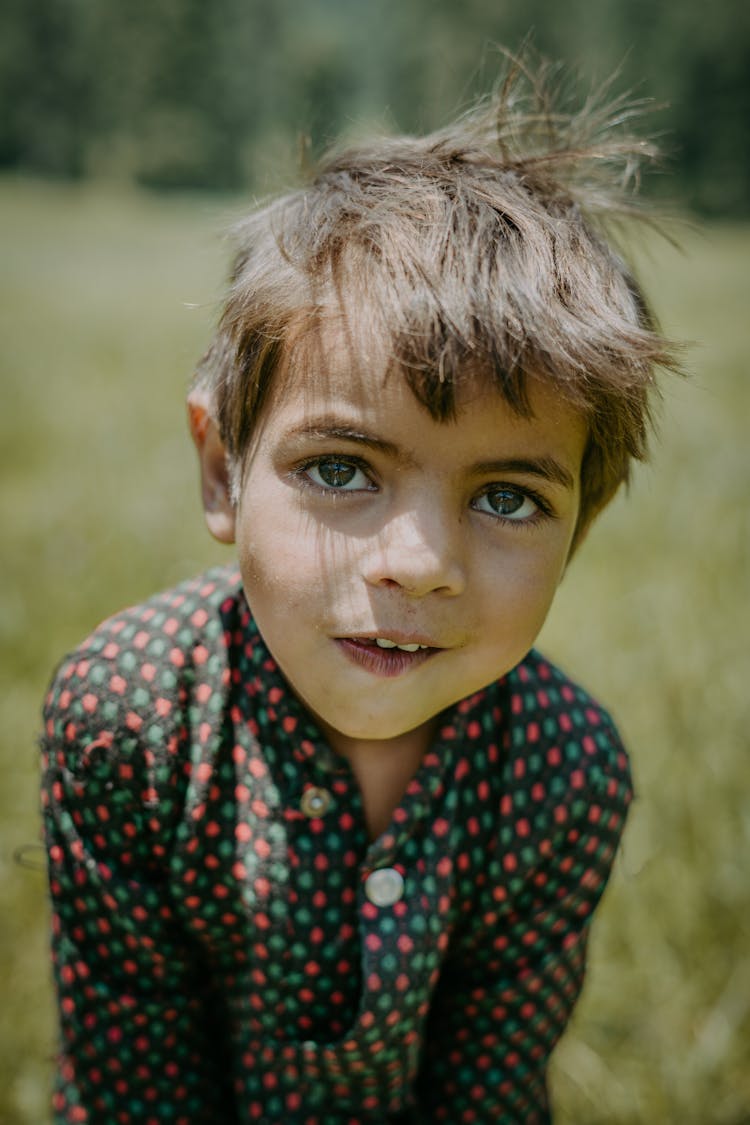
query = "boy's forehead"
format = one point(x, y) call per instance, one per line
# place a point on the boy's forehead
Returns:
point(332, 369)
point(351, 356)
point(333, 343)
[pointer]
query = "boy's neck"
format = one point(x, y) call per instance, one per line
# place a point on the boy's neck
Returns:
point(383, 769)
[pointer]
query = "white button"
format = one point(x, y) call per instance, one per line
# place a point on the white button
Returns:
point(315, 802)
point(384, 887)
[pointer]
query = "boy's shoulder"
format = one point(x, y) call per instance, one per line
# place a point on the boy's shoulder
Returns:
point(139, 672)
point(555, 728)
point(163, 629)
point(175, 618)
point(133, 713)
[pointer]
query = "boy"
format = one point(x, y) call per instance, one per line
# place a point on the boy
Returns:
point(325, 833)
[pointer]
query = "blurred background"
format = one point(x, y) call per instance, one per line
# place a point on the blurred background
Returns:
point(188, 94)
point(131, 135)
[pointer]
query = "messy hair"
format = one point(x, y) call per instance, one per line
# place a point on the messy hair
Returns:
point(486, 247)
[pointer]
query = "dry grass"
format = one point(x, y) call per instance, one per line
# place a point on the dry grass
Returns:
point(99, 507)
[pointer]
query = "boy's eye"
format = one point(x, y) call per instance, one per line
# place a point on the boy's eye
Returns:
point(337, 473)
point(509, 503)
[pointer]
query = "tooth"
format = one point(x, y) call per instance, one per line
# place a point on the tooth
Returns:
point(409, 648)
point(382, 642)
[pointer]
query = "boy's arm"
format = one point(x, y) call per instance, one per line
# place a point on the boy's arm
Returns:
point(503, 1002)
point(138, 1041)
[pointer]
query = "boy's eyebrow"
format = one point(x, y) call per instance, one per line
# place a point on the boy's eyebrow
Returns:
point(323, 429)
point(548, 468)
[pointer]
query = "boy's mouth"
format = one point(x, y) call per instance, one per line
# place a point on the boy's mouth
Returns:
point(386, 642)
point(386, 656)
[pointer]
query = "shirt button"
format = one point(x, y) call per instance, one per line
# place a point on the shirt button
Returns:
point(315, 802)
point(385, 886)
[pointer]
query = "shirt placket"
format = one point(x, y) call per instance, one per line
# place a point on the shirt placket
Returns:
point(389, 911)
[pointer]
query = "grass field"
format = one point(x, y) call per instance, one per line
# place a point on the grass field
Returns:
point(106, 301)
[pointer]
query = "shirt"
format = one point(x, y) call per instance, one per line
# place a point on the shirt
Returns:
point(229, 946)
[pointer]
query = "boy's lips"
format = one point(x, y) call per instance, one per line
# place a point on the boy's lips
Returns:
point(388, 653)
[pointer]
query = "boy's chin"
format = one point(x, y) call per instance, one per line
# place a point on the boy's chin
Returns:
point(377, 732)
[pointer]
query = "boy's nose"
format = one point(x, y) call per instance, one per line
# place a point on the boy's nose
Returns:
point(420, 553)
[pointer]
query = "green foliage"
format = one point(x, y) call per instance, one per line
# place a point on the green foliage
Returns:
point(181, 93)
point(100, 508)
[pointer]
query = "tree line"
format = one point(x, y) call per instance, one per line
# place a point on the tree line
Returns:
point(213, 94)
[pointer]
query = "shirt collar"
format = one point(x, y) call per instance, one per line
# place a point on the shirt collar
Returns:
point(296, 750)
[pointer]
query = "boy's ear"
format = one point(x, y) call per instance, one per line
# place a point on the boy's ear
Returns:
point(215, 488)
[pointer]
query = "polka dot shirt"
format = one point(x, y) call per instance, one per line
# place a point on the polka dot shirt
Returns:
point(230, 947)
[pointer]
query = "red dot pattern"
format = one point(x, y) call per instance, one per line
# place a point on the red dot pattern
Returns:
point(216, 957)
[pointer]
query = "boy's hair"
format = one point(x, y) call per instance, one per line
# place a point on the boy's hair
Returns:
point(484, 248)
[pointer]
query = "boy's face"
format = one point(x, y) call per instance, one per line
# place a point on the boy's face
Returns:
point(395, 564)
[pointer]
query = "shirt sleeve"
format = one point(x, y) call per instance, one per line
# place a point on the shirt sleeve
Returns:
point(138, 1026)
point(506, 994)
